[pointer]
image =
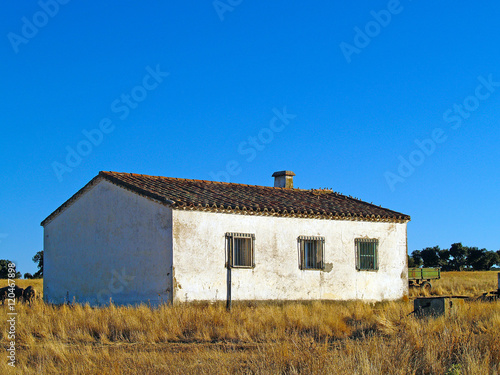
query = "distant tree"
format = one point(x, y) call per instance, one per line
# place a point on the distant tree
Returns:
point(4, 269)
point(474, 258)
point(481, 260)
point(28, 275)
point(444, 259)
point(459, 254)
point(492, 258)
point(430, 256)
point(38, 258)
point(416, 256)
point(458, 257)
point(411, 261)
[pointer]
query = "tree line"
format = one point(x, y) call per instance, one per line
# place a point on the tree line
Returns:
point(38, 259)
point(456, 258)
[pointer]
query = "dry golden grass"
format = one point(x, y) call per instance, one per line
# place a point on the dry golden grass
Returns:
point(263, 338)
point(470, 283)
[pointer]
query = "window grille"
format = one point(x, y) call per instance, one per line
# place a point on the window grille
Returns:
point(366, 254)
point(311, 250)
point(240, 250)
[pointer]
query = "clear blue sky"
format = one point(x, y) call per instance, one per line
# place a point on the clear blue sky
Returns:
point(364, 80)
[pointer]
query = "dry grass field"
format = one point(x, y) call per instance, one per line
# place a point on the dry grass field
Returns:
point(263, 338)
point(462, 284)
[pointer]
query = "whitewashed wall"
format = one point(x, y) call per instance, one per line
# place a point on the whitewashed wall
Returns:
point(199, 259)
point(110, 243)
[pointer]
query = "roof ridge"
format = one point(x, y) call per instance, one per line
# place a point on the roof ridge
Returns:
point(236, 197)
point(337, 194)
point(204, 181)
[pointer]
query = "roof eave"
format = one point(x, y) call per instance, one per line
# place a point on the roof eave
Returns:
point(103, 176)
point(69, 201)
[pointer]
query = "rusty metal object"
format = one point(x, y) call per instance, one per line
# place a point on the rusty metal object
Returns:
point(444, 305)
point(491, 296)
point(436, 306)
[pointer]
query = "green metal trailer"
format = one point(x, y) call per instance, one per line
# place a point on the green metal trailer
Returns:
point(421, 277)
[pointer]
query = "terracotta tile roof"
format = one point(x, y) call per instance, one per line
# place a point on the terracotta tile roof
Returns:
point(183, 193)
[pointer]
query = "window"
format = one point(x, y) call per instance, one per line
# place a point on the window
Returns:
point(311, 252)
point(366, 254)
point(240, 252)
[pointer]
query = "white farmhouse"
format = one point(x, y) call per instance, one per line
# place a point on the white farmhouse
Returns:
point(132, 238)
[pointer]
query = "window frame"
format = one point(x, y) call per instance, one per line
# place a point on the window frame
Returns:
point(230, 248)
point(301, 248)
point(357, 247)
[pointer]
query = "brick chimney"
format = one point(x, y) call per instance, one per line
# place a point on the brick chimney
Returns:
point(283, 179)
